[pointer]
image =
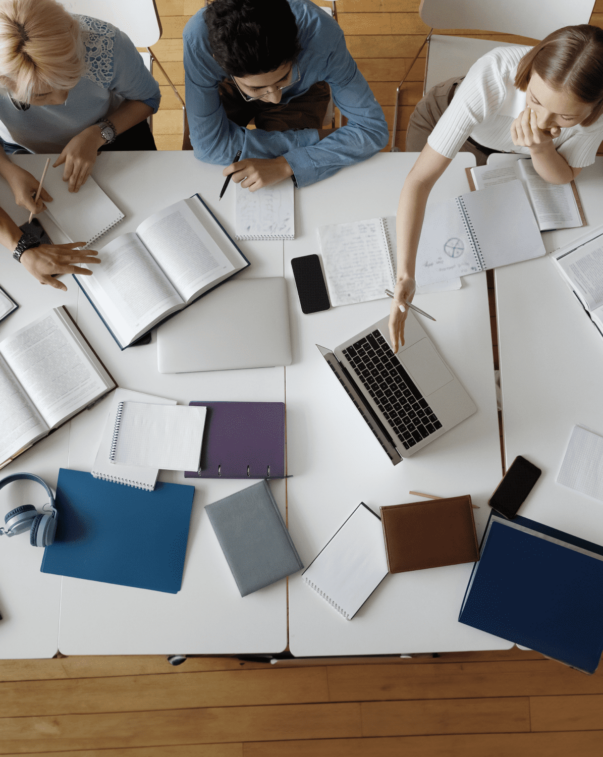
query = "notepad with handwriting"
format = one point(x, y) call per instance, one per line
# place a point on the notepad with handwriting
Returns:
point(352, 564)
point(266, 214)
point(158, 436)
point(82, 216)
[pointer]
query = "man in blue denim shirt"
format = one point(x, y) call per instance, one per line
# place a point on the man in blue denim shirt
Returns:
point(269, 60)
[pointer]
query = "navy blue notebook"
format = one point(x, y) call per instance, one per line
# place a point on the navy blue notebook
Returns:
point(541, 588)
point(120, 535)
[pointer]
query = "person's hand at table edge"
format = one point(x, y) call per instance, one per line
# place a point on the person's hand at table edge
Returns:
point(255, 173)
point(48, 260)
point(24, 187)
point(403, 293)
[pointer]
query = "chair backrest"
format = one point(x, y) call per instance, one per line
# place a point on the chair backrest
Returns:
point(137, 18)
point(527, 18)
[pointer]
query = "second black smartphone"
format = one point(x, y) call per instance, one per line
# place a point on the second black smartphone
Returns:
point(310, 283)
point(515, 487)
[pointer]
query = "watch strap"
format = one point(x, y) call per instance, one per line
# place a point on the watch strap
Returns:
point(27, 242)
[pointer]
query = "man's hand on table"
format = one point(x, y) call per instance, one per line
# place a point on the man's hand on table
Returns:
point(255, 173)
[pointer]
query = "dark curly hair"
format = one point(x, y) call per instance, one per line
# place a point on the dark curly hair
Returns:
point(249, 37)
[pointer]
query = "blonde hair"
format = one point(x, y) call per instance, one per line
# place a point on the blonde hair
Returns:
point(40, 48)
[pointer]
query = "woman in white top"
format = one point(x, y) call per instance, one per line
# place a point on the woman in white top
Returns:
point(544, 102)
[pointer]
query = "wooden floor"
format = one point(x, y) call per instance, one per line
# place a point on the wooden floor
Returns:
point(511, 704)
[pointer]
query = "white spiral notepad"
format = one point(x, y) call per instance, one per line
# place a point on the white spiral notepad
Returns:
point(582, 466)
point(82, 216)
point(158, 436)
point(352, 564)
point(266, 214)
point(130, 475)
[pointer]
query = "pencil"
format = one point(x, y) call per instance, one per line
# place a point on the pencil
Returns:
point(40, 187)
point(389, 293)
point(227, 182)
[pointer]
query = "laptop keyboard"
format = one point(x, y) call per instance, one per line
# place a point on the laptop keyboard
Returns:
point(392, 389)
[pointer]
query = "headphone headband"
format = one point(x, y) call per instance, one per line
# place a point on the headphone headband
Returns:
point(21, 518)
point(29, 477)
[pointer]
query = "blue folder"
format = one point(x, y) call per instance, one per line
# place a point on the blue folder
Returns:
point(541, 588)
point(119, 535)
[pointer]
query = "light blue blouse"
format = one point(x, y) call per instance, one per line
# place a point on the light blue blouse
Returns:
point(114, 72)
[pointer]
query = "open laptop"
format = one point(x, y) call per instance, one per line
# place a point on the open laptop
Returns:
point(244, 323)
point(408, 399)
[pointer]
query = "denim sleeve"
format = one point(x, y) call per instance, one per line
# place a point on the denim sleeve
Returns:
point(216, 139)
point(364, 135)
point(131, 78)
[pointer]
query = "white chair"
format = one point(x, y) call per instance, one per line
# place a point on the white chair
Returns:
point(449, 56)
point(139, 19)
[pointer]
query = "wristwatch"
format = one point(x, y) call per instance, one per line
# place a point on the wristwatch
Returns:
point(27, 242)
point(108, 131)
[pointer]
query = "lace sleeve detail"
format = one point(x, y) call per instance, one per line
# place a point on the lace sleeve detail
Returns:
point(99, 41)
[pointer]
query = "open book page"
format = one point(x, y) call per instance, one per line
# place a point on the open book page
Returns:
point(268, 213)
point(584, 269)
point(486, 176)
point(554, 205)
point(130, 290)
point(20, 422)
point(184, 249)
point(357, 262)
point(52, 368)
point(444, 252)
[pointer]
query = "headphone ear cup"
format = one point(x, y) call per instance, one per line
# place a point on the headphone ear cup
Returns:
point(43, 530)
point(20, 519)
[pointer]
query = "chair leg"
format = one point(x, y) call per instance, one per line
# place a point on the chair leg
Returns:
point(393, 147)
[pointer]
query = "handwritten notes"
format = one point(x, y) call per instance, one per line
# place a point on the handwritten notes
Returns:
point(268, 213)
point(357, 260)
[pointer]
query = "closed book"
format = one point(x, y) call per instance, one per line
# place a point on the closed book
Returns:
point(254, 538)
point(432, 534)
point(119, 535)
point(540, 588)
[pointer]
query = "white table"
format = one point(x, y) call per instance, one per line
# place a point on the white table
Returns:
point(551, 360)
point(208, 615)
point(335, 460)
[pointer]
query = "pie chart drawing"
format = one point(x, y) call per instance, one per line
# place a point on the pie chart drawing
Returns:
point(454, 247)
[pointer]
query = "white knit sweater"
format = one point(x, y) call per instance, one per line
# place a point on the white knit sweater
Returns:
point(485, 105)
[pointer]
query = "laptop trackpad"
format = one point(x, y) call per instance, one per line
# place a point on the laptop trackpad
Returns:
point(426, 367)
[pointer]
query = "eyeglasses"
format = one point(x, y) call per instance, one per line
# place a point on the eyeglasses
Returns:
point(249, 99)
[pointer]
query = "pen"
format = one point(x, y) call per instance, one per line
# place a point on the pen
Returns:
point(227, 182)
point(40, 187)
point(411, 306)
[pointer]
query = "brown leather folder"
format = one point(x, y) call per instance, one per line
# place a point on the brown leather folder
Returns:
point(429, 534)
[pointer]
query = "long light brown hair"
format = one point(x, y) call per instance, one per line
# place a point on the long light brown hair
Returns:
point(569, 59)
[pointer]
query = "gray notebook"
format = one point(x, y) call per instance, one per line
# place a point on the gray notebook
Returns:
point(254, 538)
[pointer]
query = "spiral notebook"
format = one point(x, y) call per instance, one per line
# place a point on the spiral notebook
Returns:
point(352, 564)
point(139, 477)
point(477, 231)
point(266, 214)
point(82, 216)
point(158, 436)
point(358, 259)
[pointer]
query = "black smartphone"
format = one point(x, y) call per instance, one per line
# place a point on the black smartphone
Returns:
point(310, 283)
point(37, 230)
point(517, 483)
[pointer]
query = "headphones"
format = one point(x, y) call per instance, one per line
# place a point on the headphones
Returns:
point(42, 527)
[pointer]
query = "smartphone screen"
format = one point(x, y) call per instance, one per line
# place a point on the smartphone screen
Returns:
point(515, 487)
point(310, 283)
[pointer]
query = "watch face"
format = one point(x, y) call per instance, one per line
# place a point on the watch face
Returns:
point(107, 133)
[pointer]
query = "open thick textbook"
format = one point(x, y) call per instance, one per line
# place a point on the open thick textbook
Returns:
point(173, 257)
point(556, 206)
point(48, 373)
point(581, 265)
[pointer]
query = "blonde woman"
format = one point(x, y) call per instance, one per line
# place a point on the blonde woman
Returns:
point(545, 102)
point(72, 85)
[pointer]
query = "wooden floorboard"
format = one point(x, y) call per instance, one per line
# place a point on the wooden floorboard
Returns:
point(509, 703)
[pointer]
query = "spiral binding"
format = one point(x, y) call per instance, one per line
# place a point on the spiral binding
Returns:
point(477, 250)
point(328, 599)
point(389, 248)
point(103, 231)
point(125, 481)
point(264, 237)
point(120, 409)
